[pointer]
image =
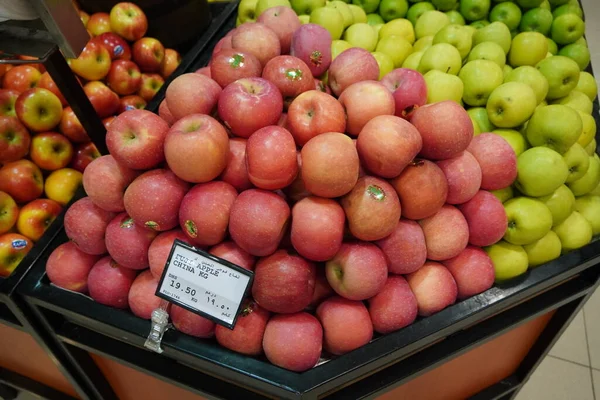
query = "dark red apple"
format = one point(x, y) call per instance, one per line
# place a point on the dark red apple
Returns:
point(408, 88)
point(109, 283)
point(312, 44)
point(229, 65)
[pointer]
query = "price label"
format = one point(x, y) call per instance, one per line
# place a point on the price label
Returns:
point(204, 284)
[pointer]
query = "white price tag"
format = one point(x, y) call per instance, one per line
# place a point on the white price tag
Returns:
point(204, 284)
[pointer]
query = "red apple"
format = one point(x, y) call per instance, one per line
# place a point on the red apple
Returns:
point(223, 43)
point(106, 172)
point(9, 211)
point(358, 271)
point(117, 47)
point(160, 248)
point(404, 248)
point(51, 151)
point(257, 39)
point(236, 171)
point(107, 121)
point(364, 101)
point(290, 74)
point(312, 44)
point(165, 113)
point(313, 113)
point(39, 109)
point(109, 283)
point(394, 307)
point(229, 65)
point(36, 216)
point(463, 175)
point(497, 160)
point(204, 212)
point(433, 287)
point(192, 94)
point(85, 153)
point(346, 325)
point(191, 324)
point(8, 98)
point(486, 218)
point(387, 144)
point(85, 225)
point(323, 289)
point(104, 100)
point(93, 63)
point(247, 335)
point(98, 23)
point(446, 233)
point(170, 63)
point(68, 267)
point(249, 104)
point(196, 148)
point(136, 139)
point(148, 53)
point(132, 102)
point(284, 22)
point(124, 77)
point(151, 84)
point(258, 221)
point(235, 254)
point(46, 82)
point(153, 199)
point(142, 300)
point(14, 140)
point(205, 71)
point(271, 158)
point(22, 180)
point(21, 78)
point(128, 242)
point(408, 88)
point(351, 66)
point(321, 86)
point(329, 165)
point(13, 248)
point(72, 128)
point(128, 21)
point(472, 270)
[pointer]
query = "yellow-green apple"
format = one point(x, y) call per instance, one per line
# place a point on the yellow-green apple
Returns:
point(13, 248)
point(46, 82)
point(330, 19)
point(338, 46)
point(385, 62)
point(540, 171)
point(151, 83)
point(148, 53)
point(136, 139)
point(578, 101)
point(408, 88)
point(578, 162)
point(122, 229)
point(14, 140)
point(204, 213)
point(72, 128)
point(463, 174)
point(51, 151)
point(98, 23)
point(527, 48)
point(8, 98)
point(423, 44)
point(480, 78)
point(346, 324)
point(589, 207)
point(442, 86)
point(170, 63)
point(85, 225)
point(495, 32)
point(68, 267)
point(474, 10)
point(532, 77)
point(528, 220)
point(21, 77)
point(131, 102)
point(363, 101)
point(552, 46)
point(560, 133)
point(62, 184)
point(201, 138)
point(511, 104)
point(289, 74)
point(312, 44)
point(486, 218)
point(246, 11)
point(361, 35)
point(85, 153)
point(589, 129)
point(358, 14)
point(93, 63)
point(370, 6)
point(442, 57)
point(397, 47)
point(105, 171)
point(36, 216)
point(263, 5)
point(514, 138)
point(393, 9)
point(104, 100)
point(344, 10)
point(160, 213)
point(562, 74)
point(429, 23)
point(488, 51)
point(569, 8)
point(398, 27)
point(480, 115)
point(457, 36)
point(313, 113)
point(192, 94)
point(543, 250)
point(587, 85)
point(574, 232)
point(257, 39)
point(434, 288)
point(458, 19)
point(351, 66)
point(560, 203)
point(117, 47)
point(504, 194)
point(507, 13)
point(578, 52)
point(416, 10)
point(9, 211)
point(39, 109)
point(589, 181)
point(497, 160)
point(128, 21)
point(567, 28)
point(229, 65)
point(22, 180)
point(124, 77)
point(472, 270)
point(283, 21)
point(591, 148)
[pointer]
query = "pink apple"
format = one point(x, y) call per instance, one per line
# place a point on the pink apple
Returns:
point(142, 300)
point(109, 283)
point(323, 289)
point(165, 113)
point(313, 113)
point(351, 66)
point(234, 254)
point(236, 171)
point(497, 159)
point(486, 217)
point(247, 335)
point(346, 325)
point(284, 22)
point(85, 225)
point(204, 71)
point(433, 287)
point(404, 248)
point(394, 307)
point(68, 267)
point(106, 172)
point(160, 248)
point(408, 88)
point(312, 44)
point(192, 94)
point(229, 65)
point(191, 324)
point(463, 174)
point(364, 101)
point(472, 270)
point(446, 233)
point(290, 74)
point(257, 39)
point(128, 243)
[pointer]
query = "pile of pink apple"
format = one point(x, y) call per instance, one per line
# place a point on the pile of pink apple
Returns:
point(357, 206)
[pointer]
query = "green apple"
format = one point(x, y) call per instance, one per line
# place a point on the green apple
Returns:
point(377, 28)
point(507, 70)
point(423, 44)
point(413, 60)
point(445, 5)
point(544, 250)
point(528, 220)
point(385, 62)
point(495, 32)
point(540, 171)
point(338, 46)
point(246, 11)
point(536, 20)
point(514, 138)
point(474, 10)
point(304, 19)
point(393, 9)
point(480, 115)
point(511, 104)
point(480, 78)
point(529, 3)
point(560, 203)
point(488, 51)
point(361, 35)
point(528, 48)
point(398, 27)
point(552, 46)
point(555, 126)
point(442, 86)
point(587, 85)
point(442, 57)
point(531, 77)
point(578, 53)
point(588, 133)
point(557, 3)
point(263, 5)
point(510, 261)
point(581, 41)
point(574, 233)
point(590, 149)
point(344, 9)
point(589, 181)
point(305, 7)
point(374, 19)
point(569, 8)
point(455, 17)
point(430, 23)
point(589, 207)
point(358, 14)
point(482, 23)
point(416, 10)
point(237, 22)
point(578, 101)
point(457, 36)
point(567, 28)
point(578, 161)
point(396, 48)
point(595, 192)
point(370, 6)
point(507, 13)
point(545, 4)
point(562, 74)
point(476, 128)
point(330, 19)
point(504, 194)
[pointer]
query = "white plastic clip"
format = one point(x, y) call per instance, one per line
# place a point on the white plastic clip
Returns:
point(160, 323)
